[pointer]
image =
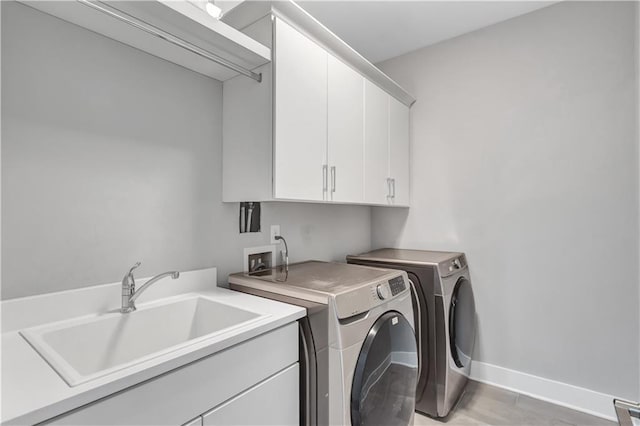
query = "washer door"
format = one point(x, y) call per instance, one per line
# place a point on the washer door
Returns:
point(462, 323)
point(384, 383)
point(420, 322)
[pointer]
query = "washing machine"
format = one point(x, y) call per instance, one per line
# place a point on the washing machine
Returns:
point(445, 320)
point(358, 351)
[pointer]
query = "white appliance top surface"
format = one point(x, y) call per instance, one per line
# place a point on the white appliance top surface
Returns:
point(314, 277)
point(415, 257)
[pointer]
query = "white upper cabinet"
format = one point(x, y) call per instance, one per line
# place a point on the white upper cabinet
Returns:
point(300, 117)
point(324, 125)
point(376, 145)
point(345, 144)
point(386, 148)
point(398, 152)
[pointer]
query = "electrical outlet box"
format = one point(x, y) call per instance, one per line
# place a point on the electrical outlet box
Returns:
point(260, 262)
point(259, 258)
point(275, 230)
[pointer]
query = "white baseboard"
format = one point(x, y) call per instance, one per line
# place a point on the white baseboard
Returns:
point(566, 395)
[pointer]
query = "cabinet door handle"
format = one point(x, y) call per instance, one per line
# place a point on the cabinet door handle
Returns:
point(333, 179)
point(388, 188)
point(393, 187)
point(324, 179)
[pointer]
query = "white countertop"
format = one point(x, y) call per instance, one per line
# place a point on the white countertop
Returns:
point(33, 392)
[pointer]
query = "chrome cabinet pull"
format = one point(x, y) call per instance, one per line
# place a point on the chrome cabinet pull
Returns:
point(333, 179)
point(324, 179)
point(393, 187)
point(388, 188)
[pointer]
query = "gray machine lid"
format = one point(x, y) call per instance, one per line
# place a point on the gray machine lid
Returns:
point(418, 257)
point(447, 262)
point(314, 280)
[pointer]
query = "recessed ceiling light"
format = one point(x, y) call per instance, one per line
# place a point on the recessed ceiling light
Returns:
point(213, 10)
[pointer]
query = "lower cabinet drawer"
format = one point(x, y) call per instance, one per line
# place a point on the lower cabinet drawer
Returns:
point(275, 401)
point(185, 393)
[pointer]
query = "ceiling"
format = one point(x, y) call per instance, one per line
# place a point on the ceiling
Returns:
point(381, 30)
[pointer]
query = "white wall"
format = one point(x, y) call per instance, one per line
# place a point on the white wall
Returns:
point(525, 156)
point(111, 156)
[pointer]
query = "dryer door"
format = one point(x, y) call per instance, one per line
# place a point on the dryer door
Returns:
point(384, 382)
point(462, 323)
point(420, 322)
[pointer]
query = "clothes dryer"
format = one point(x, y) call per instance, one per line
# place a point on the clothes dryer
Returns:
point(445, 320)
point(358, 349)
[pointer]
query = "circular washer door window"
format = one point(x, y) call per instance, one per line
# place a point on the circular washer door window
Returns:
point(383, 391)
point(462, 323)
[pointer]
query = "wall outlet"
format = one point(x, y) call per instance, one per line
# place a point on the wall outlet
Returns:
point(275, 230)
point(260, 262)
point(264, 254)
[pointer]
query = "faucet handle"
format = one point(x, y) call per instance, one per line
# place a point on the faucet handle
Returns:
point(134, 267)
point(128, 277)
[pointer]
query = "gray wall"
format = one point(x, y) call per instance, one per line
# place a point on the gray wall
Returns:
point(525, 156)
point(110, 155)
point(637, 48)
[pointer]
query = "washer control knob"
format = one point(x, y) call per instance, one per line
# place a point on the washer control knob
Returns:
point(383, 291)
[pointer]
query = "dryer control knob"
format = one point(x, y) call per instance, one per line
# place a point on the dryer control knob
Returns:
point(383, 291)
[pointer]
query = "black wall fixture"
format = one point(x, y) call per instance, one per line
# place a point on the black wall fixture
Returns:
point(249, 218)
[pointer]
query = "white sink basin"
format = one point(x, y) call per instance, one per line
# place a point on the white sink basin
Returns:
point(84, 349)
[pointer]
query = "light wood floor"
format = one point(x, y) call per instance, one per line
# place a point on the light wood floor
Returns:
point(487, 405)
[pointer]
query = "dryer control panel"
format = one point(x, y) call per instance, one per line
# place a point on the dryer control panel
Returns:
point(397, 285)
point(452, 265)
point(363, 298)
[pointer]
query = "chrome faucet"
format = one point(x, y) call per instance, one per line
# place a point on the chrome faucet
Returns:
point(129, 293)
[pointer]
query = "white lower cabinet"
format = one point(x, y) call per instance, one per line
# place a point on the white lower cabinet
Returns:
point(273, 402)
point(245, 378)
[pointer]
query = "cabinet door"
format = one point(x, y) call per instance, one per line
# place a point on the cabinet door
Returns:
point(345, 147)
point(399, 152)
point(300, 115)
point(376, 144)
point(272, 402)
